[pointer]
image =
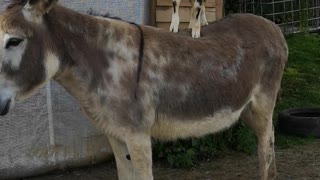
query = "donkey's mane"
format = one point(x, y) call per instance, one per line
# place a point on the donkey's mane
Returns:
point(105, 15)
point(14, 3)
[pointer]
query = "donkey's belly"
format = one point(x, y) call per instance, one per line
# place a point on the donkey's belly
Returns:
point(168, 128)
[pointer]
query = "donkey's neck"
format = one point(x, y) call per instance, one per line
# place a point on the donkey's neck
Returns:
point(73, 31)
point(89, 47)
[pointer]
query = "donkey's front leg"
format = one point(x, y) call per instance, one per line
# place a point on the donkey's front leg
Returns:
point(139, 146)
point(195, 22)
point(174, 27)
point(121, 153)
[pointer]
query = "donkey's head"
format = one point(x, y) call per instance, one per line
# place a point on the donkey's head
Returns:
point(27, 58)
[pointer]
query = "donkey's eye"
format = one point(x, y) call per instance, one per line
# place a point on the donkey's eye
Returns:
point(13, 42)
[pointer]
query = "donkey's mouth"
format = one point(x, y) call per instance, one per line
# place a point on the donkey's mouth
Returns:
point(6, 109)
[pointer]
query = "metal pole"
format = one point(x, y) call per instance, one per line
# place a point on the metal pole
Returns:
point(261, 8)
point(253, 9)
point(273, 11)
point(292, 15)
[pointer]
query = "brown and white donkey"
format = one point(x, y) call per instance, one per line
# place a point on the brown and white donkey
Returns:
point(136, 82)
point(197, 18)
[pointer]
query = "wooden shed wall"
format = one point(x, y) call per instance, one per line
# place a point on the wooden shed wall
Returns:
point(161, 12)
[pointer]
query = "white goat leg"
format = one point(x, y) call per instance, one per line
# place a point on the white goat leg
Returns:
point(175, 21)
point(203, 15)
point(195, 23)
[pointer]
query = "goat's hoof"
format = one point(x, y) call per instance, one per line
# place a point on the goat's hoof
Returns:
point(174, 29)
point(195, 34)
point(204, 23)
point(174, 26)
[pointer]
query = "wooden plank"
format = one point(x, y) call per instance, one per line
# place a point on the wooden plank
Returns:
point(166, 26)
point(153, 9)
point(164, 14)
point(219, 9)
point(184, 3)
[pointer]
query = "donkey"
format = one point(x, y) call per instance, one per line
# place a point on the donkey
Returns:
point(136, 82)
point(197, 19)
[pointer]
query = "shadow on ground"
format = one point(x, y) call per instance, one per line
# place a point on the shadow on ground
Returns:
point(300, 162)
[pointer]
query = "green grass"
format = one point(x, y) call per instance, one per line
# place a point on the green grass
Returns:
point(300, 88)
point(301, 81)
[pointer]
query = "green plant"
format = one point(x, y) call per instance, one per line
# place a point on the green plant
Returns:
point(244, 140)
point(187, 153)
point(301, 81)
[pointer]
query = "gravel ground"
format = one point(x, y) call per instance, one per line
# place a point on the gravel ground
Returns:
point(297, 163)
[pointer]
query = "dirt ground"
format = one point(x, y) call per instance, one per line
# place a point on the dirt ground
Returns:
point(297, 163)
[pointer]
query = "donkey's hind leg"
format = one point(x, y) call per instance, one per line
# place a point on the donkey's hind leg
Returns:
point(174, 27)
point(121, 153)
point(258, 116)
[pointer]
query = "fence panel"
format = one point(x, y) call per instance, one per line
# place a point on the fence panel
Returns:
point(291, 15)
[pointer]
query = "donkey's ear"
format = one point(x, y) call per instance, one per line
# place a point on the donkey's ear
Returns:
point(40, 7)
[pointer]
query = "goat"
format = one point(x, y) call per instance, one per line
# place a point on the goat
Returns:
point(197, 19)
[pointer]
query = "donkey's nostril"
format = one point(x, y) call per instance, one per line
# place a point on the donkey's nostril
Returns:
point(6, 108)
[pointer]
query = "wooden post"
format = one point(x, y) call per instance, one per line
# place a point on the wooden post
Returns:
point(153, 7)
point(219, 9)
point(161, 12)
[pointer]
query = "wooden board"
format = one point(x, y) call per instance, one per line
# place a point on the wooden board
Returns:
point(164, 14)
point(184, 3)
point(161, 12)
point(219, 9)
point(167, 25)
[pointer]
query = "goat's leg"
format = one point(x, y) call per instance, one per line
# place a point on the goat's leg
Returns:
point(258, 116)
point(195, 22)
point(139, 146)
point(203, 14)
point(174, 27)
point(121, 153)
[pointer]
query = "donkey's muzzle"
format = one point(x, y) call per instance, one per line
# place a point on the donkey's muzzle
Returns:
point(5, 107)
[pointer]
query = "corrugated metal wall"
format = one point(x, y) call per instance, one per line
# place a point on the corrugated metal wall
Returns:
point(135, 11)
point(48, 131)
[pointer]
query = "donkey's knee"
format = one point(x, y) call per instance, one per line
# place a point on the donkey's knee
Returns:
point(267, 156)
point(267, 161)
point(272, 167)
point(122, 156)
point(139, 146)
